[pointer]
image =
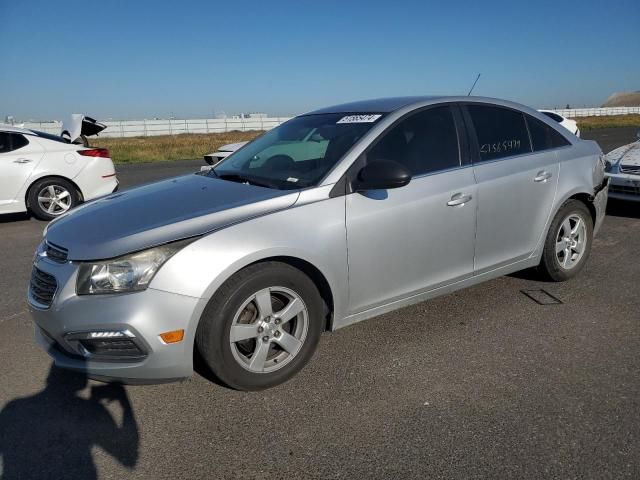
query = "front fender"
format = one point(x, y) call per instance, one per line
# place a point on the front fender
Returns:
point(314, 233)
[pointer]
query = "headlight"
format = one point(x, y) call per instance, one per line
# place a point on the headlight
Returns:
point(129, 273)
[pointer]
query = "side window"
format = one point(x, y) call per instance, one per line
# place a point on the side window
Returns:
point(501, 132)
point(543, 136)
point(425, 142)
point(11, 141)
point(5, 142)
point(18, 141)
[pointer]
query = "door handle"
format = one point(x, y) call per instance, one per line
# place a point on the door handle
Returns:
point(459, 199)
point(22, 160)
point(542, 176)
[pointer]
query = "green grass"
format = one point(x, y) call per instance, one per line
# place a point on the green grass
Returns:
point(612, 121)
point(168, 147)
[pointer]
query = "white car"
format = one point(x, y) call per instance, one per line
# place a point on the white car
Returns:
point(47, 174)
point(223, 152)
point(567, 123)
point(622, 166)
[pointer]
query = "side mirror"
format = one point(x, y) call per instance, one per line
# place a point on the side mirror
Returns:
point(382, 175)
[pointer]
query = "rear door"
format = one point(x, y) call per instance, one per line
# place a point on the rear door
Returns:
point(19, 155)
point(516, 185)
point(415, 238)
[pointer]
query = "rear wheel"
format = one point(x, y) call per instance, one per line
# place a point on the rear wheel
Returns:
point(261, 327)
point(50, 198)
point(568, 242)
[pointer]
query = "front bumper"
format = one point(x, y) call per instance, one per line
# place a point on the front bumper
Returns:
point(143, 314)
point(624, 186)
point(600, 203)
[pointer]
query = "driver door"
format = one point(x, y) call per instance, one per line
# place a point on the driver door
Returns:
point(412, 239)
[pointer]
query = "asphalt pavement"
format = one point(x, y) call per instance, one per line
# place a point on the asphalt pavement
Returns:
point(481, 383)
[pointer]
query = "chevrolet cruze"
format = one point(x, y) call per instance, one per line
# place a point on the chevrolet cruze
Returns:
point(334, 217)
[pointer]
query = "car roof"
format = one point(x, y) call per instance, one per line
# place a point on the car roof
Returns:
point(391, 104)
point(376, 105)
point(12, 128)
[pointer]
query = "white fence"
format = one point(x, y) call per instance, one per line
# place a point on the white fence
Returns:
point(147, 128)
point(595, 112)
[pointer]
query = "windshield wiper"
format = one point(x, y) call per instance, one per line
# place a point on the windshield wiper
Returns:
point(235, 177)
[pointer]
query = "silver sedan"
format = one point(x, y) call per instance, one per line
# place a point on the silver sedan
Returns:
point(622, 167)
point(332, 218)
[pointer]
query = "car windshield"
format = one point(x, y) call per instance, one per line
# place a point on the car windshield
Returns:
point(298, 153)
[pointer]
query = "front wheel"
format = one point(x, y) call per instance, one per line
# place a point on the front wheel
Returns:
point(568, 242)
point(261, 327)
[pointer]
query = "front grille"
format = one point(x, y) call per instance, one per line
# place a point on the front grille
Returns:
point(626, 189)
point(56, 253)
point(630, 169)
point(42, 287)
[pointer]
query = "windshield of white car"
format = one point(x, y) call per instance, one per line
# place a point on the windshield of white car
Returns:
point(298, 153)
point(553, 116)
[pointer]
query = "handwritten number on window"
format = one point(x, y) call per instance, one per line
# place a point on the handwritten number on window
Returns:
point(500, 147)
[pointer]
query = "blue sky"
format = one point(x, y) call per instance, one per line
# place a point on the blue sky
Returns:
point(137, 59)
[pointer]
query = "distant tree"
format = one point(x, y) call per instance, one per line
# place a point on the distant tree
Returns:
point(568, 107)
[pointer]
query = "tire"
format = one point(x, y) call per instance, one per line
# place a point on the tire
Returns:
point(243, 304)
point(566, 262)
point(65, 194)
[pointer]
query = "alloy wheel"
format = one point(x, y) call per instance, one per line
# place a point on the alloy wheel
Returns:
point(269, 329)
point(570, 241)
point(54, 199)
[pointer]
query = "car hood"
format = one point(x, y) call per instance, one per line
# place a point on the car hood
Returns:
point(626, 155)
point(160, 212)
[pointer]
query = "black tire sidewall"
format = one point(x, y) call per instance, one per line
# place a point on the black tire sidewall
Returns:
point(213, 332)
point(550, 263)
point(34, 206)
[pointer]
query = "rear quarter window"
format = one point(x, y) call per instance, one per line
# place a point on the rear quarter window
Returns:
point(543, 137)
point(10, 141)
point(501, 132)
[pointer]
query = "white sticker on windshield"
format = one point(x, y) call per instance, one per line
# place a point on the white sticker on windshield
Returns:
point(292, 179)
point(359, 119)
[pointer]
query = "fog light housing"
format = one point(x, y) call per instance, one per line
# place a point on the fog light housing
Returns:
point(107, 345)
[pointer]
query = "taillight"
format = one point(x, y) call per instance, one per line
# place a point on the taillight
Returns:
point(95, 152)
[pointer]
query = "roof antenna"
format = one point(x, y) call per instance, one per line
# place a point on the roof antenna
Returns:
point(473, 86)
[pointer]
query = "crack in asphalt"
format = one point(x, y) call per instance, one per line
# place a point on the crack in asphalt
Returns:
point(13, 315)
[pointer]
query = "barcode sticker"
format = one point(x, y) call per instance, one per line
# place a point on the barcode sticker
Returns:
point(359, 119)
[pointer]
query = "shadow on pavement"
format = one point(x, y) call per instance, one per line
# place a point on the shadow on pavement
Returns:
point(51, 434)
point(621, 208)
point(14, 217)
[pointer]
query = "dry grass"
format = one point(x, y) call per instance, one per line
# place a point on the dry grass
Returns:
point(611, 121)
point(168, 147)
